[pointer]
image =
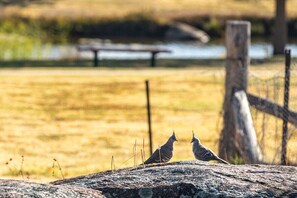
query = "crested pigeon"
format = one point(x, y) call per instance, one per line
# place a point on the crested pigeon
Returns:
point(203, 153)
point(163, 153)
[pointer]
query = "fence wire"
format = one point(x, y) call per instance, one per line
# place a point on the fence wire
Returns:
point(268, 127)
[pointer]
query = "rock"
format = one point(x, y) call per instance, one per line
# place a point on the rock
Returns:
point(192, 179)
point(19, 188)
point(182, 31)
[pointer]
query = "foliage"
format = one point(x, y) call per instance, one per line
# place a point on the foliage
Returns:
point(214, 27)
point(16, 47)
point(63, 30)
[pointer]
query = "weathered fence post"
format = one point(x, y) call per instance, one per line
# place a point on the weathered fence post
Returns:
point(237, 41)
point(237, 62)
point(286, 106)
point(149, 115)
point(245, 134)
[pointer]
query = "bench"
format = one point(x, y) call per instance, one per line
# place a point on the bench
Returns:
point(97, 49)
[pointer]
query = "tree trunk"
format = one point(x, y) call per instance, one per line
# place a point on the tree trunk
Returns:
point(280, 28)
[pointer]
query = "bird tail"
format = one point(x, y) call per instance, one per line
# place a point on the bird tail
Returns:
point(222, 161)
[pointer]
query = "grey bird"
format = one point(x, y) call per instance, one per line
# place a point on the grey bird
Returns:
point(164, 153)
point(203, 153)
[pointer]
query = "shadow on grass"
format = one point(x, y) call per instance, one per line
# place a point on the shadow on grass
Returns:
point(113, 63)
point(141, 63)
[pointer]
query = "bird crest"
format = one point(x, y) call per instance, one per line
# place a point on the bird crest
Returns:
point(173, 136)
point(194, 138)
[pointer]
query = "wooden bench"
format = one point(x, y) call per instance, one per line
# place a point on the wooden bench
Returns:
point(97, 49)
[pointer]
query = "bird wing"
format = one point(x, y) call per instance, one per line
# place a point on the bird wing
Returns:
point(210, 155)
point(164, 151)
point(206, 154)
point(154, 158)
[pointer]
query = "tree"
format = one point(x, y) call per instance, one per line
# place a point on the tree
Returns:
point(280, 27)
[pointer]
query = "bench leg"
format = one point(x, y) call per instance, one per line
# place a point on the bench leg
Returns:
point(153, 59)
point(96, 58)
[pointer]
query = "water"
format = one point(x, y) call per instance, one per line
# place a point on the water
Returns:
point(180, 50)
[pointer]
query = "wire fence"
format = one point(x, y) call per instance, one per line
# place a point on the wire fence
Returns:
point(270, 86)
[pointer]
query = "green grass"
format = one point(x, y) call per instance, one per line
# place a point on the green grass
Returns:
point(83, 117)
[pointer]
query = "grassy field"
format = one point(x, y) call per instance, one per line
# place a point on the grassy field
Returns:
point(83, 117)
point(165, 9)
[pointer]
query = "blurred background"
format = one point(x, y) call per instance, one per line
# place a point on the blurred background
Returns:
point(62, 117)
point(50, 29)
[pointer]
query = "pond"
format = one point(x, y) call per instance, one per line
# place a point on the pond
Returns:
point(36, 50)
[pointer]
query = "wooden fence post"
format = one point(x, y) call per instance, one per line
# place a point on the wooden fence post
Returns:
point(245, 134)
point(286, 106)
point(149, 115)
point(237, 40)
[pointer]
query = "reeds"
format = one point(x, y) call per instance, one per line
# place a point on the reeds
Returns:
point(55, 161)
point(17, 170)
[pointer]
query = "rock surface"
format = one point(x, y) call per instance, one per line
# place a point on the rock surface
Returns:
point(19, 188)
point(192, 179)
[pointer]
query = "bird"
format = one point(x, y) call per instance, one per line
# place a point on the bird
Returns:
point(202, 153)
point(164, 153)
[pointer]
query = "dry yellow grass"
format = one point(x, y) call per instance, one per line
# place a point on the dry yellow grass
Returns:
point(83, 117)
point(159, 8)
